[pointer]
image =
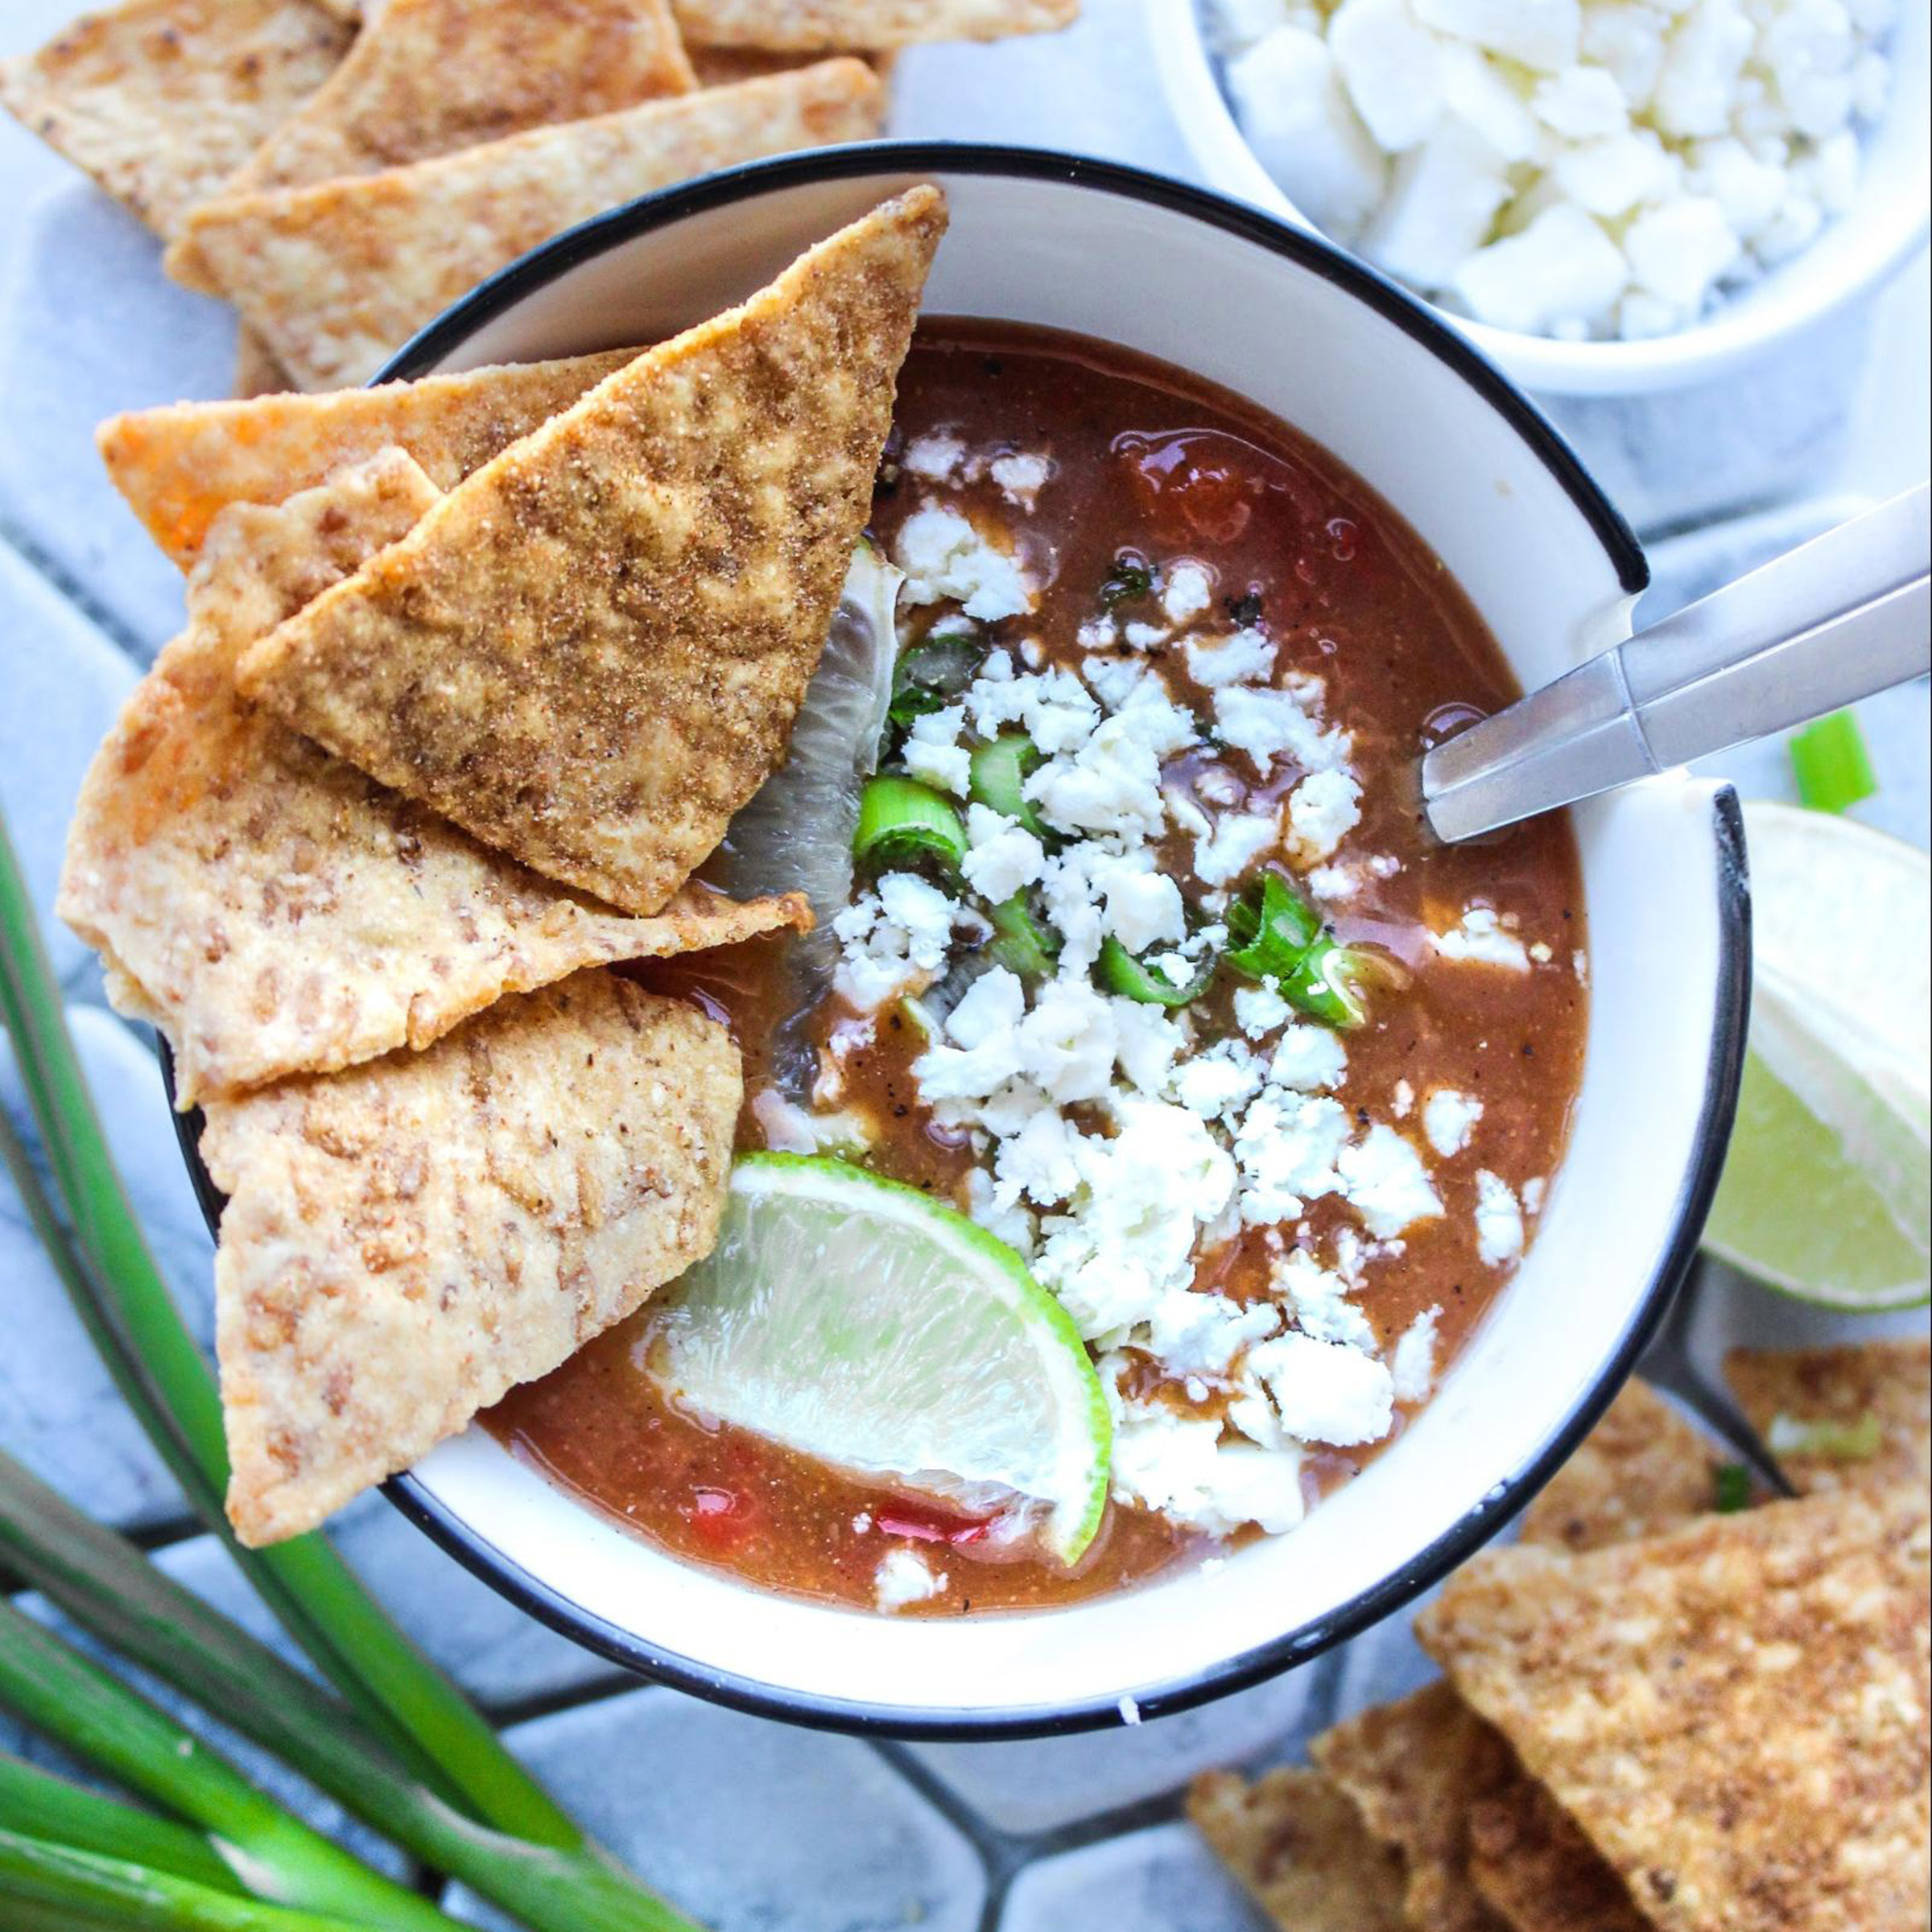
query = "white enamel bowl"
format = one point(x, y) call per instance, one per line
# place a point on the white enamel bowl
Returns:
point(1883, 229)
point(1277, 317)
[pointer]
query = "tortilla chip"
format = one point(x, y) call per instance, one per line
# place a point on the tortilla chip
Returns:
point(161, 100)
point(337, 276)
point(257, 372)
point(1735, 1712)
point(270, 909)
point(1883, 1388)
point(1537, 1871)
point(1300, 1847)
point(1643, 1468)
point(405, 1242)
point(814, 26)
point(179, 467)
point(726, 66)
point(590, 654)
point(433, 76)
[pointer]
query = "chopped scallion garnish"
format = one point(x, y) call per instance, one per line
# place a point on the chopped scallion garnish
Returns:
point(1731, 1488)
point(1129, 579)
point(932, 673)
point(1833, 767)
point(1022, 942)
point(1000, 769)
point(1279, 936)
point(903, 823)
point(1120, 972)
point(1834, 1441)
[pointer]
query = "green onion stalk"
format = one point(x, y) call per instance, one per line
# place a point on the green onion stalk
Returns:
point(424, 1760)
point(48, 1887)
point(110, 1589)
point(52, 1687)
point(1831, 765)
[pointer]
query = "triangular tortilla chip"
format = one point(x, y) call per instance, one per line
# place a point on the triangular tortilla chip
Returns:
point(1538, 1872)
point(432, 76)
point(339, 275)
point(161, 100)
point(257, 372)
point(180, 466)
point(1299, 1847)
point(808, 25)
point(1735, 1712)
point(591, 653)
point(1874, 1400)
point(405, 1241)
point(726, 66)
point(272, 909)
point(1641, 1469)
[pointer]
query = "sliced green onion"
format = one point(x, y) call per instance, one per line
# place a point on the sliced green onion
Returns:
point(111, 1591)
point(67, 1888)
point(62, 1694)
point(1833, 767)
point(1129, 579)
point(1836, 1442)
point(1000, 770)
point(1022, 943)
point(903, 823)
point(1731, 1486)
point(1279, 936)
point(1120, 972)
point(38, 1804)
point(931, 674)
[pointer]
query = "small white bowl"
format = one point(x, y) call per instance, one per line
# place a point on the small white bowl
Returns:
point(1281, 317)
point(1883, 229)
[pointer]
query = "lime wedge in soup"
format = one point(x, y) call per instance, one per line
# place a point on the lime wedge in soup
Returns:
point(1826, 1191)
point(860, 1322)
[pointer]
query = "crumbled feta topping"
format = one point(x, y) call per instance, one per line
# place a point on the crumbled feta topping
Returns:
point(1237, 840)
point(1319, 1297)
point(1179, 1465)
point(1449, 1117)
point(1481, 939)
point(1499, 1219)
point(1413, 1369)
point(934, 753)
point(1258, 1010)
point(1020, 477)
point(1324, 1392)
point(943, 557)
point(1323, 810)
point(1385, 1182)
point(902, 1577)
point(1242, 657)
point(935, 457)
point(1268, 725)
point(1311, 1059)
point(1002, 857)
point(893, 940)
point(1186, 590)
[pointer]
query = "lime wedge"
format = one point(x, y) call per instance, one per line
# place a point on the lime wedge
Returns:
point(1825, 1191)
point(861, 1322)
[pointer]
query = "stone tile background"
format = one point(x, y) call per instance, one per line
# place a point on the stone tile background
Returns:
point(754, 1826)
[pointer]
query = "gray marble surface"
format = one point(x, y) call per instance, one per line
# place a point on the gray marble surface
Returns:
point(754, 1826)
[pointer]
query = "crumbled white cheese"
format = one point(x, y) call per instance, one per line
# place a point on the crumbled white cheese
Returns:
point(1402, 1099)
point(1002, 857)
point(1272, 724)
point(1237, 840)
point(902, 1577)
point(934, 753)
point(1385, 1182)
point(1020, 477)
point(1413, 1369)
point(1323, 810)
point(1112, 784)
point(934, 457)
point(1449, 1117)
point(1258, 1010)
point(1287, 1147)
point(1499, 1219)
point(1319, 1297)
point(1311, 1059)
point(944, 557)
point(1242, 657)
point(1179, 1465)
point(1324, 1392)
point(1185, 592)
point(892, 940)
point(1218, 1082)
point(1481, 939)
point(1143, 906)
point(1330, 883)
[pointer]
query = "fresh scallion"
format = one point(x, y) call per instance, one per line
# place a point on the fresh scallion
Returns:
point(1731, 1488)
point(60, 1693)
point(903, 823)
point(50, 1887)
point(999, 773)
point(932, 673)
point(1120, 972)
point(1022, 942)
point(1826, 1438)
point(1833, 766)
point(1278, 935)
point(1131, 578)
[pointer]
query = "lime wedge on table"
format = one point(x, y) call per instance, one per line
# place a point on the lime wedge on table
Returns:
point(1827, 1189)
point(862, 1322)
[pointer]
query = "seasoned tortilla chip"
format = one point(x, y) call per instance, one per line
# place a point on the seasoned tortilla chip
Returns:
point(810, 26)
point(591, 653)
point(338, 275)
point(405, 1241)
point(1483, 1845)
point(1873, 1399)
point(257, 372)
point(1300, 1847)
point(1735, 1712)
point(160, 101)
point(726, 66)
point(272, 909)
point(432, 76)
point(1643, 1468)
point(180, 466)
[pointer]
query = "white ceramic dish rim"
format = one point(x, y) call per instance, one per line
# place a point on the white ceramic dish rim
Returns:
point(1861, 250)
point(515, 1580)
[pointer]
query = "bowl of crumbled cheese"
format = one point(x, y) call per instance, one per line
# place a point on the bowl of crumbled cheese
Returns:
point(1607, 195)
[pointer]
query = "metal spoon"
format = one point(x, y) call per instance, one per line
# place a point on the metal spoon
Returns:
point(1846, 615)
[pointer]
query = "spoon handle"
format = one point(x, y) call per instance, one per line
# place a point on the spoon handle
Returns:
point(1842, 616)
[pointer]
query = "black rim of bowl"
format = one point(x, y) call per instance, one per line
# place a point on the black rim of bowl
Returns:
point(555, 258)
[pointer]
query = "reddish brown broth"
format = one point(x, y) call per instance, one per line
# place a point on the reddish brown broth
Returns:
point(1150, 462)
